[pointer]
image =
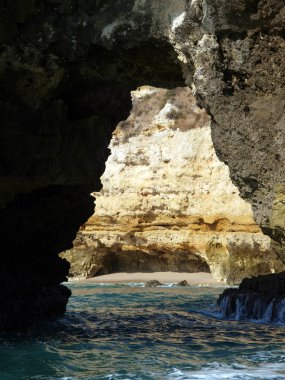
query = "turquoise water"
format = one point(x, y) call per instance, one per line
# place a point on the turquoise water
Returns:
point(131, 332)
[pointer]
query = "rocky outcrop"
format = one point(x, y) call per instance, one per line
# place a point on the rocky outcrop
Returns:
point(66, 69)
point(153, 284)
point(258, 298)
point(235, 59)
point(168, 203)
point(183, 283)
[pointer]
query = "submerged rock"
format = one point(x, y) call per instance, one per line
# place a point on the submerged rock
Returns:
point(153, 284)
point(183, 283)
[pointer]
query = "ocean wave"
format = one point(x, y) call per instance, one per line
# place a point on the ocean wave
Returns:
point(219, 371)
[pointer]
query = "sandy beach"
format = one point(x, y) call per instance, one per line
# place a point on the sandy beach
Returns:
point(163, 277)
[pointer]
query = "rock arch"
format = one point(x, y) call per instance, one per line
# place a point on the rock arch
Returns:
point(232, 53)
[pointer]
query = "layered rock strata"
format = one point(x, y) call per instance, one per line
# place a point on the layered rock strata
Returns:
point(66, 69)
point(167, 201)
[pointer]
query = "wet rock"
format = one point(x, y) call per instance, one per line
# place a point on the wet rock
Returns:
point(257, 298)
point(153, 284)
point(183, 283)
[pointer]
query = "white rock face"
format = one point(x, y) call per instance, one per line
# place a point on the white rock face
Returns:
point(178, 21)
point(167, 199)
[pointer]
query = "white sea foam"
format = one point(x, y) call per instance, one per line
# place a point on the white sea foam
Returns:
point(168, 285)
point(135, 284)
point(261, 313)
point(217, 371)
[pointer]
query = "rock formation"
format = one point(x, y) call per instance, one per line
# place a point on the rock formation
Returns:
point(236, 52)
point(66, 70)
point(168, 203)
point(153, 284)
point(64, 88)
point(258, 298)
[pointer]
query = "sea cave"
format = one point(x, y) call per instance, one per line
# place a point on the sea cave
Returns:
point(205, 77)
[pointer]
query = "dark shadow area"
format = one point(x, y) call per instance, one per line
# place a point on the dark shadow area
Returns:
point(156, 261)
point(52, 157)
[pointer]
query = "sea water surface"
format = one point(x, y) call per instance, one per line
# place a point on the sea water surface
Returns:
point(131, 332)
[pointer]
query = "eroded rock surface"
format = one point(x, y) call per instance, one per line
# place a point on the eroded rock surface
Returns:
point(167, 201)
point(235, 60)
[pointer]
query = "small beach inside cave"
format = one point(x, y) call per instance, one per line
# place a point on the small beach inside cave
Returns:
point(193, 279)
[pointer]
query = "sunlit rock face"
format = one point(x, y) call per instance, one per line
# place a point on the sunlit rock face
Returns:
point(168, 202)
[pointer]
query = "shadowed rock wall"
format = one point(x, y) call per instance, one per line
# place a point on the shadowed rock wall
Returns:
point(63, 89)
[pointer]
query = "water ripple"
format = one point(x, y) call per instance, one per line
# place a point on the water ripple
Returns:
point(129, 332)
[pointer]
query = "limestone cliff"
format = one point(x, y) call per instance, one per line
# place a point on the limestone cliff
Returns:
point(66, 71)
point(167, 201)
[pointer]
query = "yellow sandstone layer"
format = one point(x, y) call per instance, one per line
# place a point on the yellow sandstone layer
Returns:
point(167, 202)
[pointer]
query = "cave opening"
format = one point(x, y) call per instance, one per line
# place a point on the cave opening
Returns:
point(168, 204)
point(66, 73)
